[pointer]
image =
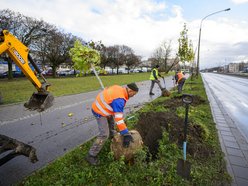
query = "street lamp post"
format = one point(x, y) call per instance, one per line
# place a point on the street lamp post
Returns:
point(199, 41)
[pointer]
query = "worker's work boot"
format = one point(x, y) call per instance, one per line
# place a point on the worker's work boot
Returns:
point(151, 93)
point(92, 160)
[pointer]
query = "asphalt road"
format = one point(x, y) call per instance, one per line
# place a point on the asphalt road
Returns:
point(233, 93)
point(54, 132)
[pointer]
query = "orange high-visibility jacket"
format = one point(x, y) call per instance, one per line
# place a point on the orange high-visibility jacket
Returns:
point(111, 101)
point(180, 76)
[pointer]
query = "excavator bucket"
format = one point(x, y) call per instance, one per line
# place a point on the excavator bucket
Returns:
point(40, 101)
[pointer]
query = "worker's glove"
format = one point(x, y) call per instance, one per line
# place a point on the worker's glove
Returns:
point(157, 81)
point(127, 138)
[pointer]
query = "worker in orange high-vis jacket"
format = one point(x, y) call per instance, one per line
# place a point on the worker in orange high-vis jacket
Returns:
point(110, 103)
point(180, 79)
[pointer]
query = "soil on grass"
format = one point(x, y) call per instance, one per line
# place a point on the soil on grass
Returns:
point(152, 124)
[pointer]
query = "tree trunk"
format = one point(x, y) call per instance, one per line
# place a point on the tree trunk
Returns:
point(100, 81)
point(10, 74)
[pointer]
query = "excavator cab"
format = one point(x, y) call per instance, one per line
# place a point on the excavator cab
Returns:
point(19, 53)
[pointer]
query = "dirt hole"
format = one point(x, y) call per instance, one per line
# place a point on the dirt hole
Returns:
point(152, 124)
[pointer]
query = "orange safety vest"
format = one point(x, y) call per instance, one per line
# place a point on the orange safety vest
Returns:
point(180, 76)
point(103, 100)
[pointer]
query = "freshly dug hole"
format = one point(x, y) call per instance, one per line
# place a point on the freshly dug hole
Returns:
point(151, 126)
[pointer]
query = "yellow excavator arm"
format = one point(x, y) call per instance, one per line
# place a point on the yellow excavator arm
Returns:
point(19, 53)
point(39, 101)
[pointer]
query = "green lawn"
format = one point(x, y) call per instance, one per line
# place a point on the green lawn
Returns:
point(20, 89)
point(207, 161)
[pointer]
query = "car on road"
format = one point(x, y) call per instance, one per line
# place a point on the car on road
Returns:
point(48, 72)
point(68, 72)
point(63, 72)
point(15, 74)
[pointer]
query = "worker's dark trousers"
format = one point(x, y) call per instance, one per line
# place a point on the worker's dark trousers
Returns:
point(105, 127)
point(153, 83)
point(180, 85)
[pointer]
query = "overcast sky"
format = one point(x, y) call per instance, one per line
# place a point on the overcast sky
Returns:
point(144, 24)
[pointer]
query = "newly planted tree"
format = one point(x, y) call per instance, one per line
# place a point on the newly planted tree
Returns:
point(185, 50)
point(85, 58)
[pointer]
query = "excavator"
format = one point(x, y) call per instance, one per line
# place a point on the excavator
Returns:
point(39, 101)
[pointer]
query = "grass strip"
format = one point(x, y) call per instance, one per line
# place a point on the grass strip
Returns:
point(72, 169)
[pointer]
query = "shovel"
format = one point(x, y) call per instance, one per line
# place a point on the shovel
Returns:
point(165, 92)
point(183, 166)
point(164, 83)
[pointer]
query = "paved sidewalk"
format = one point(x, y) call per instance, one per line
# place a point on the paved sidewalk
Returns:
point(233, 143)
point(17, 112)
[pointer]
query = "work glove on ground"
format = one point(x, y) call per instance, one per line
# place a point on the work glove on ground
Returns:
point(127, 138)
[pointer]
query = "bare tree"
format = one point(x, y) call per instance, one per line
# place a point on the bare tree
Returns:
point(28, 30)
point(174, 63)
point(132, 61)
point(40, 47)
point(111, 57)
point(115, 58)
point(104, 57)
point(119, 56)
point(51, 46)
point(55, 50)
point(11, 21)
point(161, 55)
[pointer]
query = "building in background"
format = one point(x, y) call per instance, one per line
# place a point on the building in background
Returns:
point(233, 67)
